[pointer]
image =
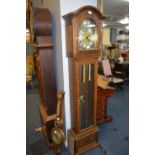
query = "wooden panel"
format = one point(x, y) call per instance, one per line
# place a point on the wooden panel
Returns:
point(40, 81)
point(42, 24)
point(86, 95)
point(80, 143)
point(69, 40)
point(48, 78)
point(71, 142)
point(46, 128)
point(75, 92)
point(101, 109)
point(83, 142)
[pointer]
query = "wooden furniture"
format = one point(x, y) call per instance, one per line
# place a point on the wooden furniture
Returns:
point(40, 29)
point(29, 5)
point(122, 67)
point(110, 50)
point(125, 55)
point(114, 78)
point(102, 101)
point(83, 37)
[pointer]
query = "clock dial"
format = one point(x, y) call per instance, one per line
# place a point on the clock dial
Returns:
point(87, 35)
point(57, 135)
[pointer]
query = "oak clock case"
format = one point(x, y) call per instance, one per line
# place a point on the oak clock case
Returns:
point(40, 29)
point(83, 37)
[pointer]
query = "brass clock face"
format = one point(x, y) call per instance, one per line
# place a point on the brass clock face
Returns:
point(87, 37)
point(57, 135)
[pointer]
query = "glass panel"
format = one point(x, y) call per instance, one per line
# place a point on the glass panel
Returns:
point(87, 34)
point(86, 97)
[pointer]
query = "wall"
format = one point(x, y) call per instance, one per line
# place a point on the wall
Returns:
point(71, 5)
point(36, 3)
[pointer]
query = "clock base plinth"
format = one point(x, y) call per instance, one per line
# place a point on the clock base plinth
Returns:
point(107, 119)
point(82, 142)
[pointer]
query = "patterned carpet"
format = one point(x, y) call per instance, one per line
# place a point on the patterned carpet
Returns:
point(113, 136)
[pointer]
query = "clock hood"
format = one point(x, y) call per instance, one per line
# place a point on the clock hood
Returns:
point(89, 8)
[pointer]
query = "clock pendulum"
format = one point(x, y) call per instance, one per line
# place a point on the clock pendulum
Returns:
point(83, 42)
point(57, 133)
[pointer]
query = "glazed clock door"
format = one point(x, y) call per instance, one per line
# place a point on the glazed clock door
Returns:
point(86, 96)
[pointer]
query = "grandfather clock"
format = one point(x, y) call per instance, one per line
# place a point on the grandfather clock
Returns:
point(83, 38)
point(41, 35)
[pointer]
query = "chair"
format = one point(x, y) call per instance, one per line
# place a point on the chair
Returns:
point(116, 78)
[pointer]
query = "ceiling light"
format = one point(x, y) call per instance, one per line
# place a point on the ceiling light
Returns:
point(127, 27)
point(124, 21)
point(104, 24)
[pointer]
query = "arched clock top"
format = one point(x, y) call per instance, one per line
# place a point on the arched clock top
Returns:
point(89, 9)
point(83, 32)
point(40, 24)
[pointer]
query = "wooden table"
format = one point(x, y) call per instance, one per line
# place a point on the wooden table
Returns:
point(102, 99)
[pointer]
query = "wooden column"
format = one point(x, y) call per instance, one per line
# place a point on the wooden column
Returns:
point(102, 101)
